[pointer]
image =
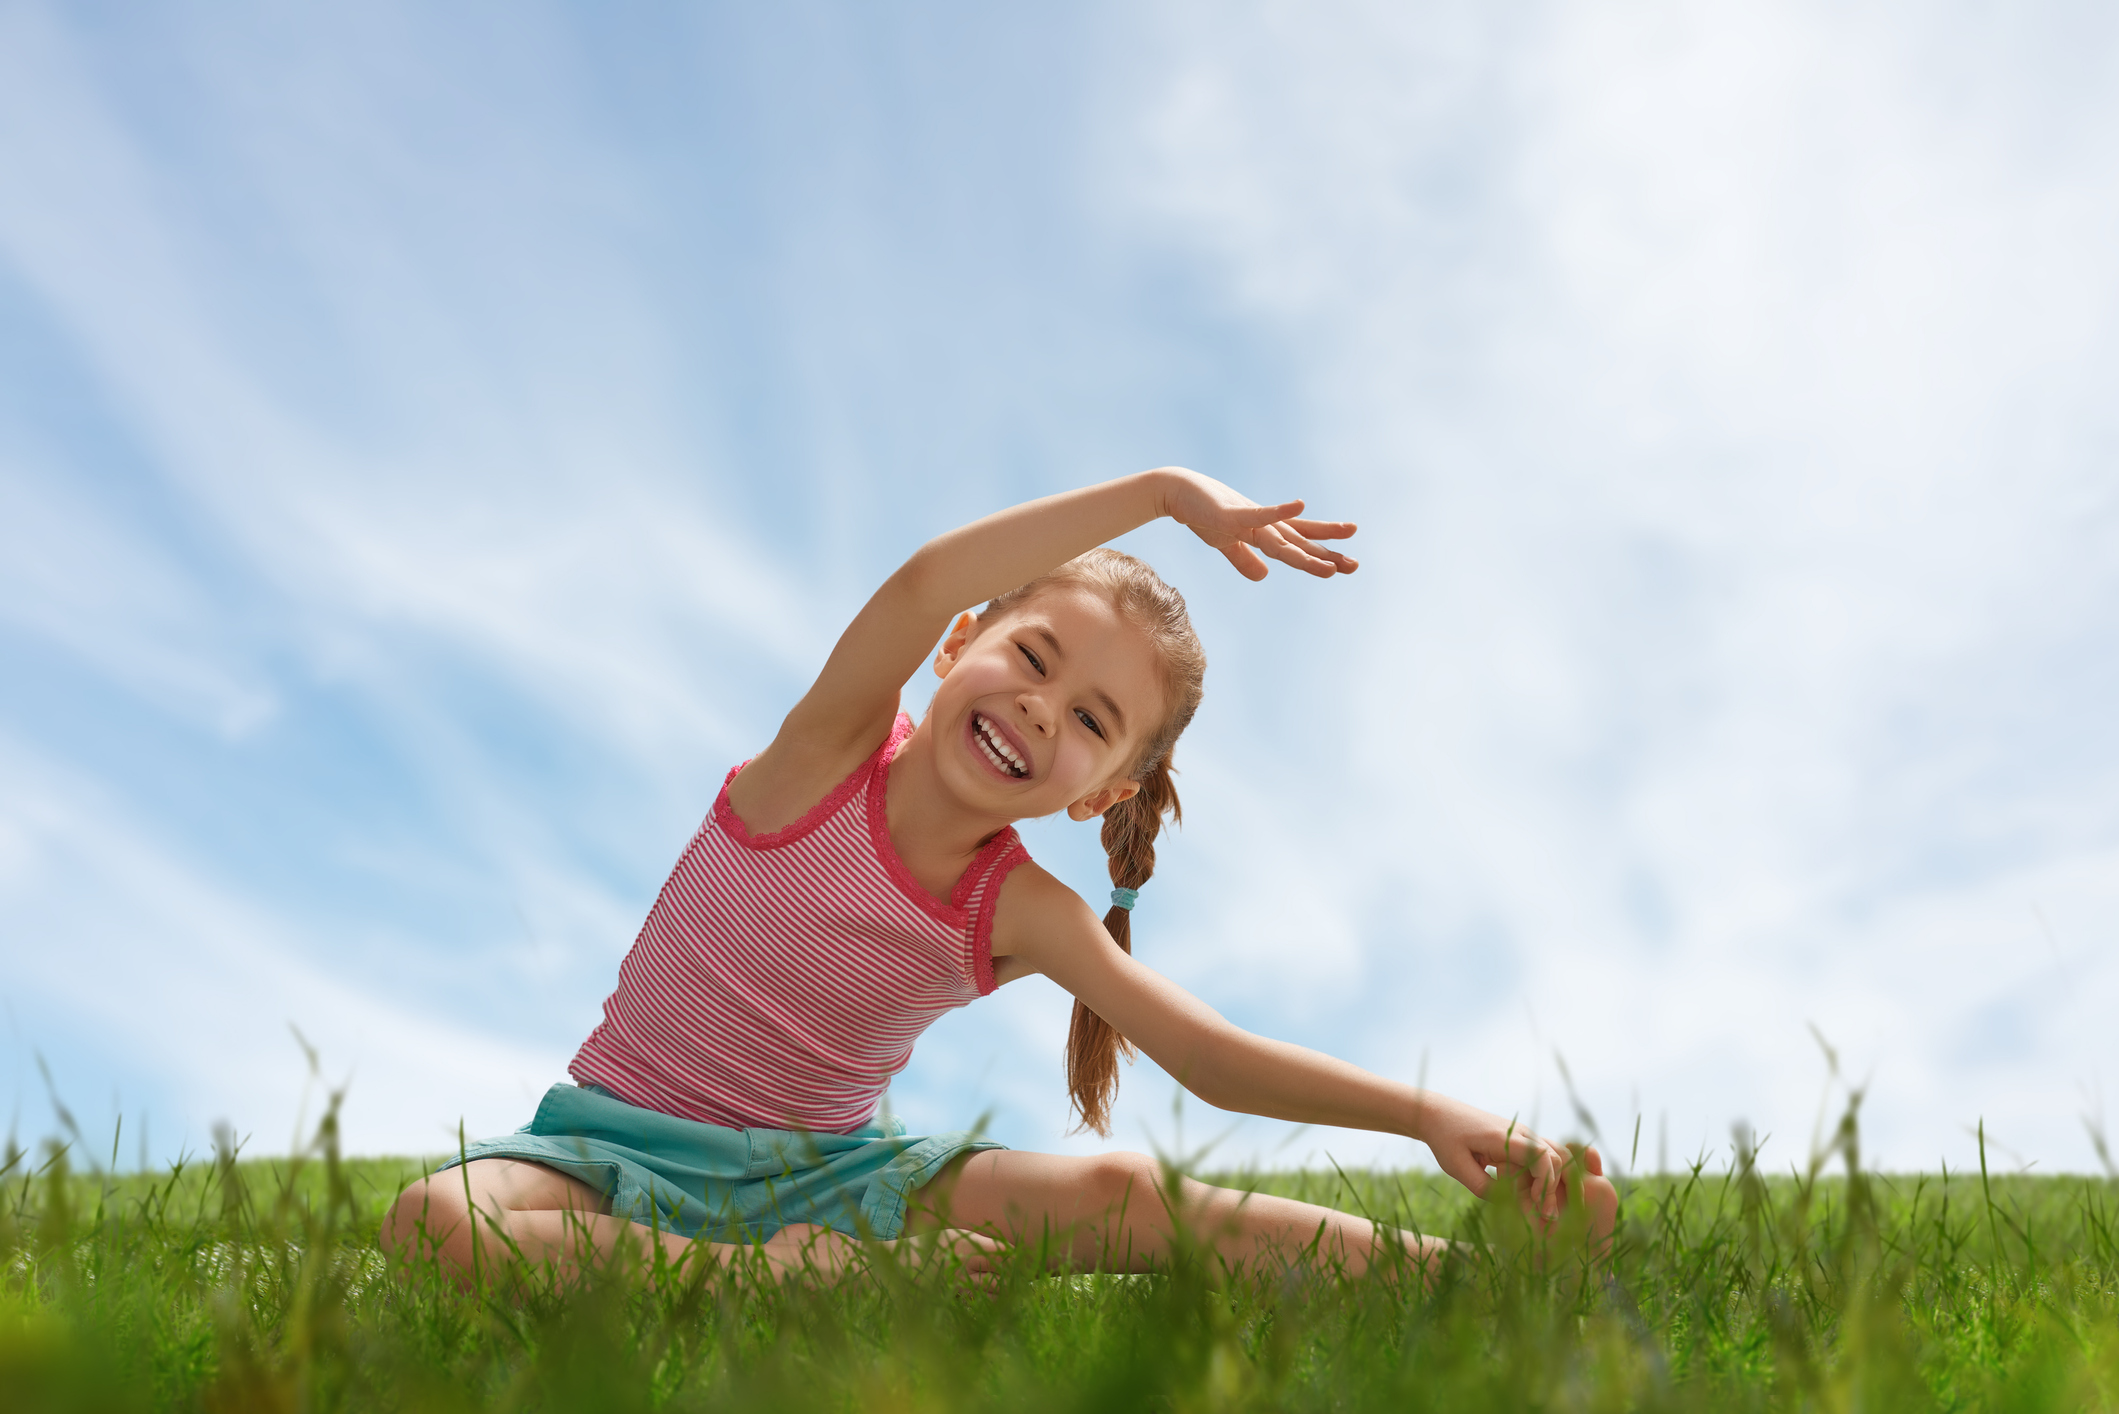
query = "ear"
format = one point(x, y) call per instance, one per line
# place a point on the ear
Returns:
point(1097, 802)
point(952, 648)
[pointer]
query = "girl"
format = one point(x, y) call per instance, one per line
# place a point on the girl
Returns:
point(860, 877)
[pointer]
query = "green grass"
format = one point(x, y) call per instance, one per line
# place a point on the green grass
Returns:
point(230, 1285)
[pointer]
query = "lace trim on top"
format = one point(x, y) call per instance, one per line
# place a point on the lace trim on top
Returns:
point(732, 824)
point(989, 867)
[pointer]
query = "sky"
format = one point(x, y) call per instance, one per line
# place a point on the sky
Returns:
point(435, 444)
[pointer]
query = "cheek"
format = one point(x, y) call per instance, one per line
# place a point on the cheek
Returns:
point(975, 677)
point(1079, 766)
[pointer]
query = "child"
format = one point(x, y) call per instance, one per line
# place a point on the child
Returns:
point(859, 877)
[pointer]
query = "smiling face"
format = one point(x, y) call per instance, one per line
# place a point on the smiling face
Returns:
point(1047, 706)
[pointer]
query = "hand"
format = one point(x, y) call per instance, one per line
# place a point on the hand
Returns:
point(809, 1251)
point(1242, 529)
point(1468, 1141)
point(974, 1250)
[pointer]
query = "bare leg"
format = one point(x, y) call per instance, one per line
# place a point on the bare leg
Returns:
point(495, 1216)
point(1112, 1212)
point(476, 1218)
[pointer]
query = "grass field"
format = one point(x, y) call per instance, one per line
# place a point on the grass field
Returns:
point(257, 1285)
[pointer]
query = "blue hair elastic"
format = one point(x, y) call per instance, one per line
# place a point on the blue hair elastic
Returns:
point(1125, 898)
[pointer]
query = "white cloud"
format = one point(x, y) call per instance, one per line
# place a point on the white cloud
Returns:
point(71, 573)
point(1738, 377)
point(473, 556)
point(537, 516)
point(131, 963)
point(1722, 393)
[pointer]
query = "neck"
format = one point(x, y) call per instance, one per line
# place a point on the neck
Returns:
point(924, 819)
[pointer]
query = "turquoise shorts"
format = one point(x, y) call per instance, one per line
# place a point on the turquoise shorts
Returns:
point(727, 1185)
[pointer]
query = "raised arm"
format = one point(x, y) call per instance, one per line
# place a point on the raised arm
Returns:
point(850, 707)
point(1048, 929)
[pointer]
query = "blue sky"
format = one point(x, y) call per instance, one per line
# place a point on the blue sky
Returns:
point(435, 445)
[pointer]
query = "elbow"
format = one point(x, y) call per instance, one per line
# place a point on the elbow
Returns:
point(1221, 1097)
point(1206, 1076)
point(918, 583)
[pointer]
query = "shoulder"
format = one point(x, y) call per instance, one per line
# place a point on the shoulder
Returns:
point(1031, 884)
point(1035, 911)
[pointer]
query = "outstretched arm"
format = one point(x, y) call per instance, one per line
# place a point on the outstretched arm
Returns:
point(850, 707)
point(1048, 927)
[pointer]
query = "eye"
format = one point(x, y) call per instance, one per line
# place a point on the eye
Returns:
point(1037, 666)
point(1088, 721)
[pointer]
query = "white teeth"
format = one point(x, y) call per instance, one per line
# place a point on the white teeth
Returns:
point(997, 749)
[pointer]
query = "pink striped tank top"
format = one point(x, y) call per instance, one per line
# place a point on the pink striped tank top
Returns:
point(781, 979)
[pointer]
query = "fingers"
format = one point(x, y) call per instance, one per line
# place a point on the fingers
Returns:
point(1541, 1190)
point(1250, 535)
point(975, 1250)
point(1539, 1168)
point(1316, 554)
point(1551, 1183)
point(1468, 1171)
point(1285, 545)
point(1245, 559)
point(1323, 529)
point(1255, 516)
point(1213, 522)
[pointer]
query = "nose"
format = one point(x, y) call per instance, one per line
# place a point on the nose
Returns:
point(1037, 712)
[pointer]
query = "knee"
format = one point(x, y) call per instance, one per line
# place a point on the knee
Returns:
point(1123, 1180)
point(424, 1218)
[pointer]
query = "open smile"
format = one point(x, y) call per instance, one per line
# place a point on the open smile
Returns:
point(1000, 752)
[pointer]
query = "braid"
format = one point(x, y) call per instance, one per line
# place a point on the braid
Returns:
point(1093, 1044)
point(1130, 827)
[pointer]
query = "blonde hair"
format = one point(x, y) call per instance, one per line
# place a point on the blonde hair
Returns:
point(1130, 827)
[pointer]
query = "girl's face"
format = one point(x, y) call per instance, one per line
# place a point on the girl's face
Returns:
point(1046, 707)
